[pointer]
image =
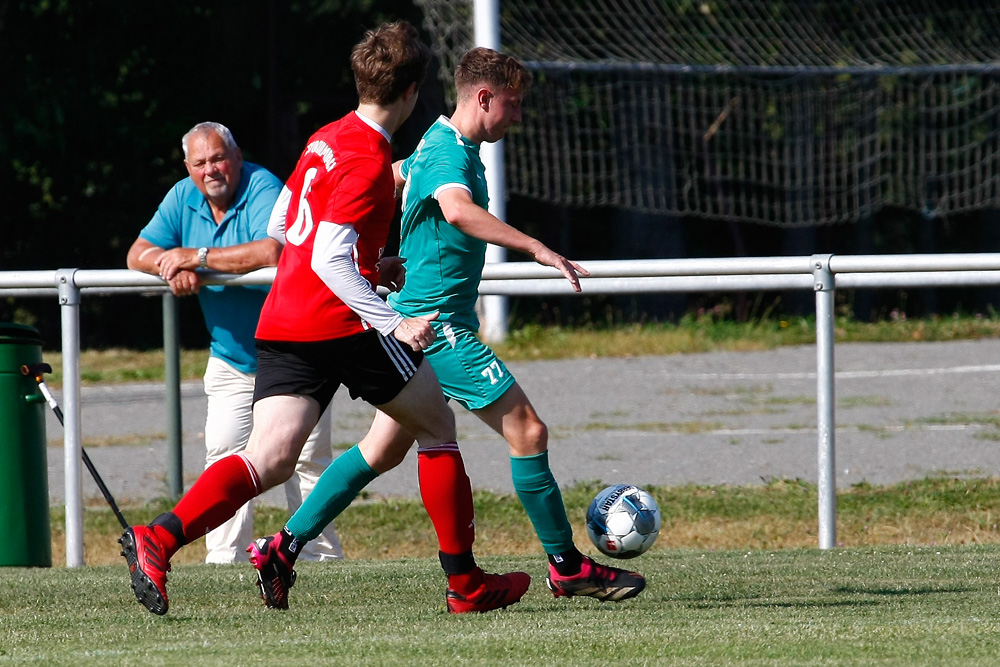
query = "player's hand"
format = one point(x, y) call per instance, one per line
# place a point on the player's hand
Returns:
point(416, 332)
point(392, 273)
point(185, 283)
point(571, 270)
point(176, 259)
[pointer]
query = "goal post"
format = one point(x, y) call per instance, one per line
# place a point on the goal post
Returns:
point(777, 113)
point(493, 307)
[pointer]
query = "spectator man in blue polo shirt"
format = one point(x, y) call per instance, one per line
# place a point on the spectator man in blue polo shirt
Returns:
point(217, 219)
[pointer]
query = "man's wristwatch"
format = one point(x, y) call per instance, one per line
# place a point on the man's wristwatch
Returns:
point(203, 258)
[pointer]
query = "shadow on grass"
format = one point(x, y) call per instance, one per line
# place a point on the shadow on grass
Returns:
point(921, 590)
point(762, 602)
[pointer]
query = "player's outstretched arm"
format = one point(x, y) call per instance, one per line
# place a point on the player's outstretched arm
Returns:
point(571, 270)
point(461, 211)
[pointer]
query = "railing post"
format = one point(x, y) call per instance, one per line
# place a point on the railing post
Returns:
point(172, 381)
point(69, 308)
point(825, 288)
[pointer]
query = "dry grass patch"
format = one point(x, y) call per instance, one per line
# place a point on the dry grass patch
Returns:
point(780, 514)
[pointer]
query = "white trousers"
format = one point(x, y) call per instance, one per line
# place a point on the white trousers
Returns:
point(227, 431)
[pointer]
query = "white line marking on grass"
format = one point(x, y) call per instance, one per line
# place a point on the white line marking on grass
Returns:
point(896, 428)
point(843, 375)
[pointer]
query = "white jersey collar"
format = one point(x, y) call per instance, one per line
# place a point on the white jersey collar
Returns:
point(444, 120)
point(375, 126)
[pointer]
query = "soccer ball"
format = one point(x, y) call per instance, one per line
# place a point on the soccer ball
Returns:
point(623, 521)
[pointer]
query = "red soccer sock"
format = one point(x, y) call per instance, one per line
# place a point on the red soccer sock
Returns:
point(219, 492)
point(447, 495)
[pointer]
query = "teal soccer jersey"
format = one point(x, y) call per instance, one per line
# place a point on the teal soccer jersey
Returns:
point(443, 265)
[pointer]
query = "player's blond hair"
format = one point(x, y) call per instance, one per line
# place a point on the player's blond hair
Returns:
point(497, 70)
point(387, 61)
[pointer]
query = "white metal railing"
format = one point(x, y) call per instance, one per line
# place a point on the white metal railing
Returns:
point(821, 273)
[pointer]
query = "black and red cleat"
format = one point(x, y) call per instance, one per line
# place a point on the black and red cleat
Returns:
point(497, 591)
point(596, 581)
point(148, 565)
point(274, 571)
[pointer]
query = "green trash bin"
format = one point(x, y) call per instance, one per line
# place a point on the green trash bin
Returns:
point(24, 475)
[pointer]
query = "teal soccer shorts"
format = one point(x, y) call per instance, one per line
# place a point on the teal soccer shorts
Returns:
point(467, 369)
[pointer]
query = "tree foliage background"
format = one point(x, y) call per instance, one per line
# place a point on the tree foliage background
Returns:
point(96, 95)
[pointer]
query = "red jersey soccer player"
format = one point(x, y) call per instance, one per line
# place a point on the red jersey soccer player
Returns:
point(322, 326)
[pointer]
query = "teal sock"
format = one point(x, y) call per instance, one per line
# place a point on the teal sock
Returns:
point(539, 493)
point(339, 484)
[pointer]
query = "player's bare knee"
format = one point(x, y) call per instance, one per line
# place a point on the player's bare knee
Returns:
point(275, 470)
point(433, 429)
point(537, 433)
point(383, 455)
point(530, 440)
point(287, 469)
point(388, 460)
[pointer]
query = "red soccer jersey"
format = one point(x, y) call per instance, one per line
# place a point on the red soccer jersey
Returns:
point(343, 176)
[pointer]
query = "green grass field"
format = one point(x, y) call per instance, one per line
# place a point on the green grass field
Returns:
point(860, 606)
point(733, 579)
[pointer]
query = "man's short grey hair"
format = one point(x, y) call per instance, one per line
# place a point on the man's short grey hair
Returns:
point(202, 128)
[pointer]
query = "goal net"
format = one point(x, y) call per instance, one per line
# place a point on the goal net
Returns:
point(783, 112)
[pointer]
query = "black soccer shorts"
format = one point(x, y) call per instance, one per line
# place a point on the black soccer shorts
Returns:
point(372, 367)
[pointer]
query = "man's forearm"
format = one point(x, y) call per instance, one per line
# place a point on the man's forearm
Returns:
point(244, 257)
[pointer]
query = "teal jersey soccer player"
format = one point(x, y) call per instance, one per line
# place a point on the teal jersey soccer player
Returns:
point(445, 229)
point(444, 264)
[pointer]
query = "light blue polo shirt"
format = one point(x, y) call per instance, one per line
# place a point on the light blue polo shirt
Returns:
point(184, 219)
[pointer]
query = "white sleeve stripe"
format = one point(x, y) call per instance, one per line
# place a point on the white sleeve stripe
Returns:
point(276, 223)
point(449, 186)
point(333, 261)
